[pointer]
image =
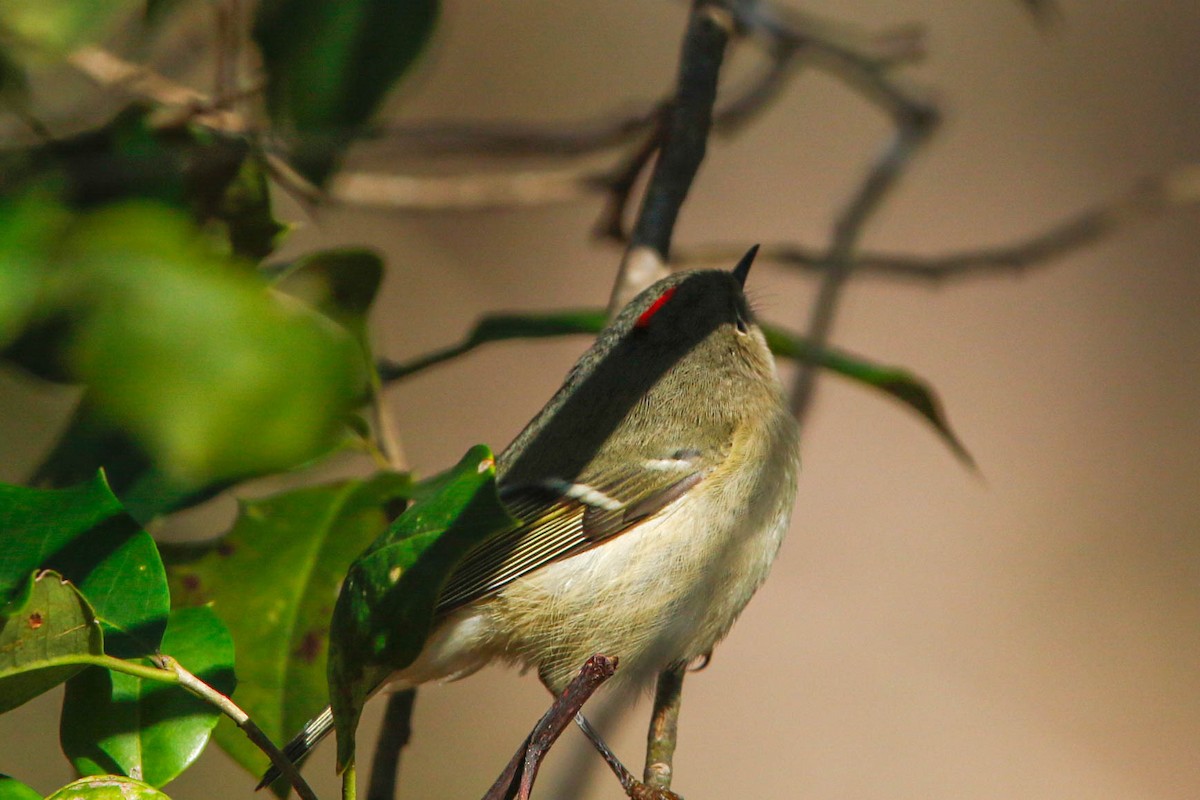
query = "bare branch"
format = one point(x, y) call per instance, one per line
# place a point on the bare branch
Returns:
point(913, 129)
point(517, 778)
point(709, 29)
point(113, 72)
point(1146, 200)
point(433, 193)
point(395, 731)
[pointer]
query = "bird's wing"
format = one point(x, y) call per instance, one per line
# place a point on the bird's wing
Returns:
point(562, 518)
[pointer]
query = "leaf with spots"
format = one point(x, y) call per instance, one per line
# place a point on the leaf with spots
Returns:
point(84, 533)
point(44, 639)
point(273, 579)
point(113, 722)
point(385, 609)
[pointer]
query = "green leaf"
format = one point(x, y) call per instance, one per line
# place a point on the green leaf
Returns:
point(385, 609)
point(107, 787)
point(117, 723)
point(42, 640)
point(898, 383)
point(274, 579)
point(29, 226)
point(329, 65)
point(83, 533)
point(13, 789)
point(213, 375)
point(91, 442)
point(341, 284)
point(244, 206)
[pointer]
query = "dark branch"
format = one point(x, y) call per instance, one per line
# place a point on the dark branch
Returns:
point(625, 179)
point(1146, 200)
point(394, 734)
point(708, 32)
point(516, 781)
point(915, 122)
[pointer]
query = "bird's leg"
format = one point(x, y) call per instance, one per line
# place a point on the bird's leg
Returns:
point(634, 788)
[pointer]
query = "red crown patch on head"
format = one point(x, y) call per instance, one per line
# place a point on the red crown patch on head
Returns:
point(644, 320)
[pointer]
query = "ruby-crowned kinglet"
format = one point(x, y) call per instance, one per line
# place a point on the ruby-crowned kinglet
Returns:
point(655, 488)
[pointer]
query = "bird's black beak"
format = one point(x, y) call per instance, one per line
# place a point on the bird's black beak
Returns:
point(743, 267)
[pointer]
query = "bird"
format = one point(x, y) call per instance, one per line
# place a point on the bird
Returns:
point(652, 491)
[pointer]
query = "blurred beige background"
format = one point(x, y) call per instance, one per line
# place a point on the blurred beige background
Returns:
point(1034, 633)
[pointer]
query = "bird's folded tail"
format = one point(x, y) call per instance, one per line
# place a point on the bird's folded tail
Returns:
point(302, 744)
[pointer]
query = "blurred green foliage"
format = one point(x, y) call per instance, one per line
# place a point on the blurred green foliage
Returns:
point(132, 265)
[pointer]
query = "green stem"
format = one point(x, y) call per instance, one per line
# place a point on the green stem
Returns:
point(130, 668)
point(173, 672)
point(349, 780)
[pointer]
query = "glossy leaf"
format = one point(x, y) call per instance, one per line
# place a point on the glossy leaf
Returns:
point(329, 65)
point(84, 533)
point(13, 789)
point(108, 787)
point(43, 639)
point(898, 383)
point(385, 609)
point(117, 723)
point(274, 579)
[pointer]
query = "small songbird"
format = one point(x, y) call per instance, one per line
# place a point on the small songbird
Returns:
point(654, 490)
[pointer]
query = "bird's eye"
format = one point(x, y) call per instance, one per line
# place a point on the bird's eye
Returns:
point(742, 327)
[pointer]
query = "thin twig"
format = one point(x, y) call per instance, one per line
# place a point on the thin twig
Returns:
point(913, 128)
point(517, 778)
point(627, 779)
point(437, 192)
point(387, 435)
point(1146, 200)
point(263, 742)
point(113, 72)
point(625, 178)
point(690, 119)
point(861, 62)
point(394, 734)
